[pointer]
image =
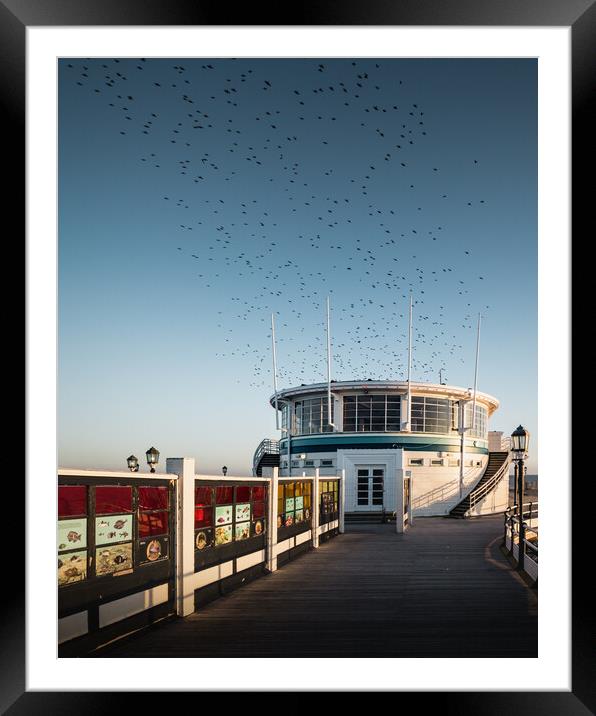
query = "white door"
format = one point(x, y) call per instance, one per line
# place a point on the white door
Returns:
point(369, 488)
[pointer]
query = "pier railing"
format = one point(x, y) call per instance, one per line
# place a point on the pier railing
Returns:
point(520, 539)
point(136, 548)
point(482, 491)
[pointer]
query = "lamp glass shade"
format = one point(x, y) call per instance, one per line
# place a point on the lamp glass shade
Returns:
point(132, 461)
point(520, 439)
point(152, 456)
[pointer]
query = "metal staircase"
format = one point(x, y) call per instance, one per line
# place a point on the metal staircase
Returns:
point(496, 469)
point(266, 455)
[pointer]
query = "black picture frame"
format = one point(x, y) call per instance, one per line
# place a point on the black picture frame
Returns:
point(580, 16)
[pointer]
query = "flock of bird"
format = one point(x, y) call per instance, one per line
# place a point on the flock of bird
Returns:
point(286, 183)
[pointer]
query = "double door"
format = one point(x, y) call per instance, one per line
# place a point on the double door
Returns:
point(370, 486)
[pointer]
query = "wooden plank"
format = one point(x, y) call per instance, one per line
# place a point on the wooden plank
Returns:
point(443, 589)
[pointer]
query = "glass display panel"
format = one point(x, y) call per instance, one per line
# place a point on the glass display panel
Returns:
point(242, 512)
point(258, 509)
point(258, 527)
point(72, 534)
point(223, 515)
point(113, 558)
point(113, 499)
point(72, 500)
point(203, 495)
point(258, 493)
point(153, 498)
point(115, 528)
point(72, 567)
point(154, 523)
point(153, 549)
point(223, 535)
point(243, 493)
point(224, 495)
point(203, 517)
point(242, 531)
point(203, 539)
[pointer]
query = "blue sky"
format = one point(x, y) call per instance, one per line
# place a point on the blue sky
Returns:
point(196, 197)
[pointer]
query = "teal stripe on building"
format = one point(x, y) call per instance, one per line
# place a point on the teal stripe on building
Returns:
point(326, 443)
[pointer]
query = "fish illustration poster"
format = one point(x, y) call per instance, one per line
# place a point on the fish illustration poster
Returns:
point(72, 567)
point(223, 515)
point(115, 558)
point(72, 534)
point(243, 512)
point(115, 528)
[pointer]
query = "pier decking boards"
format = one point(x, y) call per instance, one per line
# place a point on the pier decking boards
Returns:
point(444, 589)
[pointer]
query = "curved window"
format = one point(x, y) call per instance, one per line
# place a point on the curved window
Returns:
point(372, 413)
point(430, 415)
point(310, 416)
point(479, 428)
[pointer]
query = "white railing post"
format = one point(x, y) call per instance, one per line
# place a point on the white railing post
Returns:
point(342, 501)
point(315, 509)
point(272, 518)
point(184, 467)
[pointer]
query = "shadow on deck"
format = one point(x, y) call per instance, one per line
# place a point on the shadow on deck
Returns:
point(444, 589)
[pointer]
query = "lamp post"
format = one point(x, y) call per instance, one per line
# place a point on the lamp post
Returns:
point(152, 458)
point(133, 463)
point(520, 439)
point(224, 469)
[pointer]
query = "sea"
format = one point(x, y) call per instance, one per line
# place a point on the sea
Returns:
point(532, 480)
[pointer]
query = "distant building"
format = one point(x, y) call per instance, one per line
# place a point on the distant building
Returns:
point(377, 440)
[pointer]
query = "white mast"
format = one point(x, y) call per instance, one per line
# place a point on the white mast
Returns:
point(274, 369)
point(329, 366)
point(408, 423)
point(476, 376)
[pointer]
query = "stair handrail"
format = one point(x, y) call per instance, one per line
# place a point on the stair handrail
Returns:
point(417, 503)
point(265, 446)
point(483, 490)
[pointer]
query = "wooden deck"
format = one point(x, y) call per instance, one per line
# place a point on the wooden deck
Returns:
point(443, 589)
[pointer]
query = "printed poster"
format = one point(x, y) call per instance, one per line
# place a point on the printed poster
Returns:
point(242, 531)
point(112, 559)
point(223, 515)
point(223, 534)
point(290, 504)
point(299, 516)
point(153, 549)
point(259, 527)
point(72, 534)
point(299, 503)
point(114, 528)
point(72, 567)
point(243, 512)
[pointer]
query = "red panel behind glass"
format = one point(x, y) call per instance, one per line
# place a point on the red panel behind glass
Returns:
point(258, 509)
point(259, 493)
point(243, 493)
point(203, 495)
point(153, 524)
point(203, 517)
point(224, 495)
point(72, 500)
point(113, 499)
point(153, 498)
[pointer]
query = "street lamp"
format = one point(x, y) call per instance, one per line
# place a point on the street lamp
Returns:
point(133, 463)
point(152, 458)
point(520, 439)
point(224, 469)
